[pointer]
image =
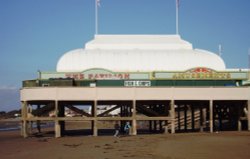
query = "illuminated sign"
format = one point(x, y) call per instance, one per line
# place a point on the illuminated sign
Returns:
point(201, 73)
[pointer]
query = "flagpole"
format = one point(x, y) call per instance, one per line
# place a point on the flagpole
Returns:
point(177, 17)
point(220, 50)
point(96, 17)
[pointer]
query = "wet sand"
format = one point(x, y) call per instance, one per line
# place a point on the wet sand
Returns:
point(223, 145)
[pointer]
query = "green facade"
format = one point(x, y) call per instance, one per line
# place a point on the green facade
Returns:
point(98, 77)
point(120, 83)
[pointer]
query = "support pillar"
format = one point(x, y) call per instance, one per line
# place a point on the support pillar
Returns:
point(30, 123)
point(94, 122)
point(57, 123)
point(38, 122)
point(211, 115)
point(239, 115)
point(239, 125)
point(160, 125)
point(134, 130)
point(172, 111)
point(203, 118)
point(24, 129)
point(57, 129)
point(166, 127)
point(204, 112)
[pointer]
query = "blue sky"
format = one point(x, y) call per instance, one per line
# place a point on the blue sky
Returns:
point(34, 34)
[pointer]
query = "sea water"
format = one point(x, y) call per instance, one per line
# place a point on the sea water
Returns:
point(11, 126)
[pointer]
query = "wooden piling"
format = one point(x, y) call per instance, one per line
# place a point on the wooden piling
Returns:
point(211, 115)
point(172, 116)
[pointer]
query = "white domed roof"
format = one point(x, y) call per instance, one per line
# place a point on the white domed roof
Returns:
point(138, 53)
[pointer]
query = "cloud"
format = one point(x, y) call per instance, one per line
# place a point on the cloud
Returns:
point(8, 88)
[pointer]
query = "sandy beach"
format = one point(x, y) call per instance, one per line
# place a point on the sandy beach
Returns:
point(222, 145)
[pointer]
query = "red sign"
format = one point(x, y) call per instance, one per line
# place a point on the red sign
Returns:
point(91, 76)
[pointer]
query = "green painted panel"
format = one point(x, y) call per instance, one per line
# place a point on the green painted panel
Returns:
point(203, 83)
point(112, 83)
point(225, 83)
point(183, 83)
point(164, 83)
point(120, 83)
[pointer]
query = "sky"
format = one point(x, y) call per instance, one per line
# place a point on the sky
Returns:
point(34, 34)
